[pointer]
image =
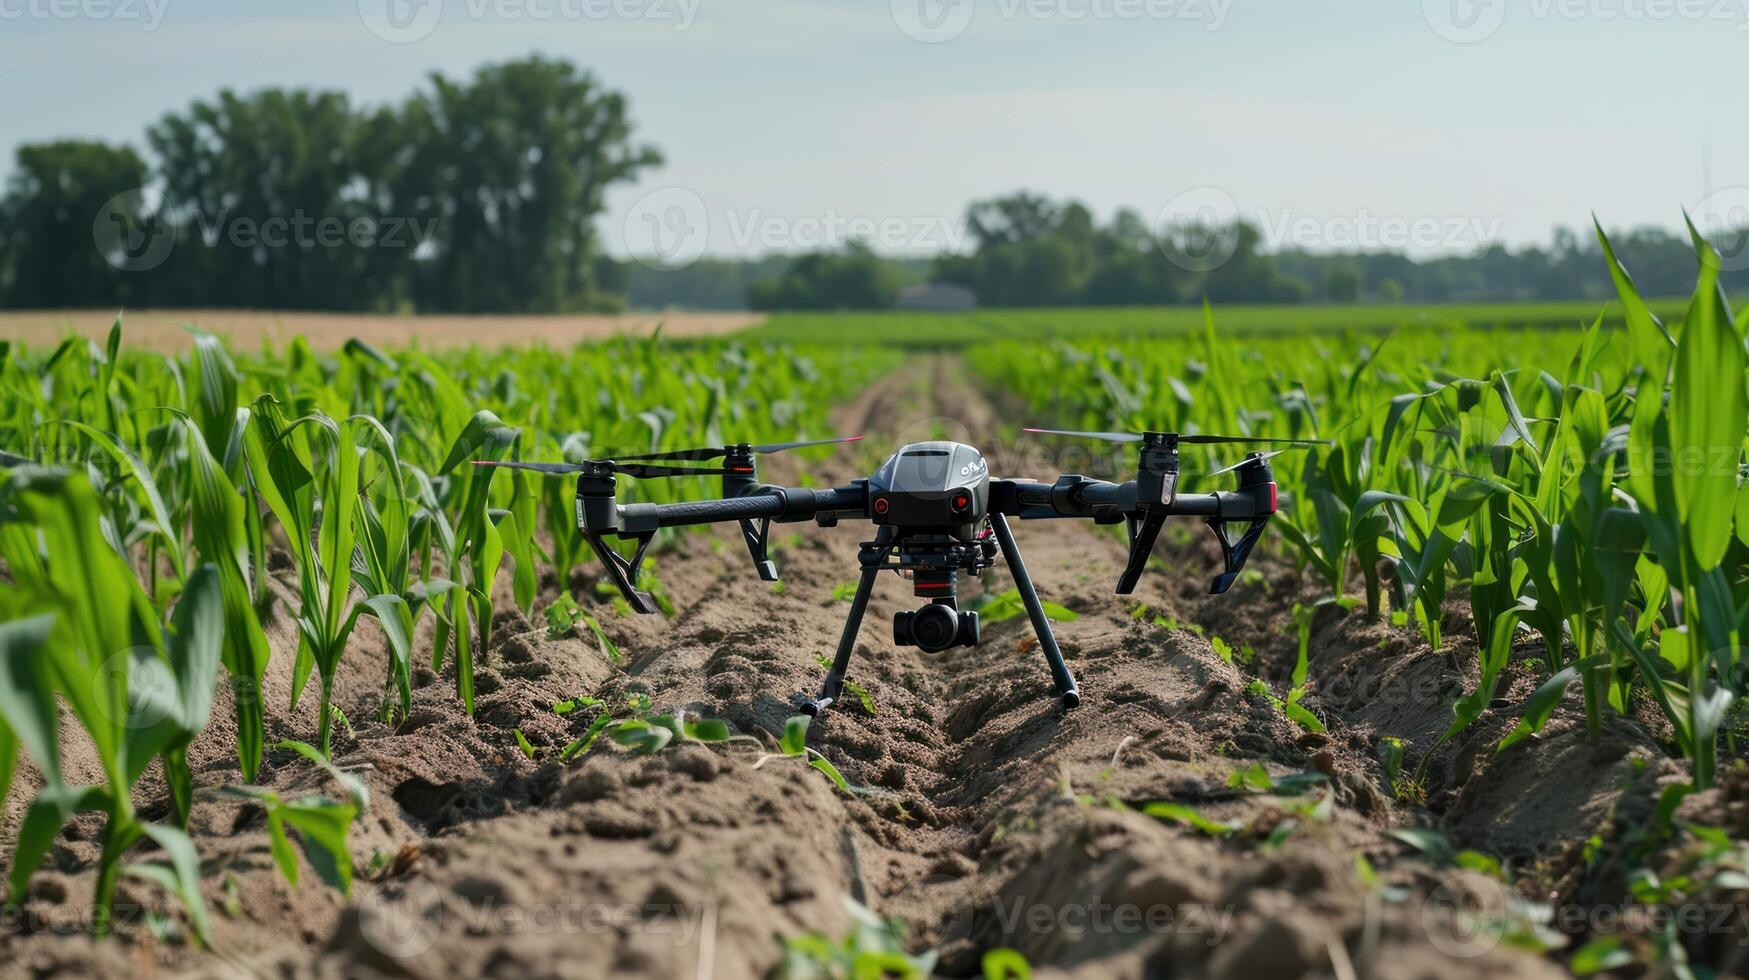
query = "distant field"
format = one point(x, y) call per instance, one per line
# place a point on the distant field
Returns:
point(948, 330)
point(249, 329)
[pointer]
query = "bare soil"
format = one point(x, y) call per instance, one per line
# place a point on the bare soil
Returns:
point(163, 330)
point(986, 815)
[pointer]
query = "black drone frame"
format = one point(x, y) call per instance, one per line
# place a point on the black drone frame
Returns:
point(916, 536)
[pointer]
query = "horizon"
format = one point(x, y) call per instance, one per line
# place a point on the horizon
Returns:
point(814, 118)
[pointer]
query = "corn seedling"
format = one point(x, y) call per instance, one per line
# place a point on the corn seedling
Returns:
point(84, 631)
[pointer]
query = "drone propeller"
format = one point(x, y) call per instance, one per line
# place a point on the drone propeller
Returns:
point(721, 451)
point(1190, 440)
point(635, 470)
point(1250, 460)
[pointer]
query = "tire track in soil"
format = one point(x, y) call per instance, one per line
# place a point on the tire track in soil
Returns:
point(984, 822)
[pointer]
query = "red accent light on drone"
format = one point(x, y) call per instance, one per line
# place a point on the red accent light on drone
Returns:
point(1272, 498)
point(882, 505)
point(739, 469)
point(961, 502)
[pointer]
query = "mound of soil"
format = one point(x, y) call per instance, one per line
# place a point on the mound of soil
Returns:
point(984, 816)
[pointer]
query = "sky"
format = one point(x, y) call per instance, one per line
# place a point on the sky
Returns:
point(1429, 125)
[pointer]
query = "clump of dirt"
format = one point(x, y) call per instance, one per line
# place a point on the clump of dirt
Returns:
point(984, 814)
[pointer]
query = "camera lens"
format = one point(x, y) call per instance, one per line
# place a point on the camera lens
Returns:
point(934, 628)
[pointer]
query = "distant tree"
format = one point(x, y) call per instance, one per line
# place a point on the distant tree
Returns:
point(1342, 285)
point(854, 278)
point(56, 196)
point(1019, 217)
point(512, 165)
point(265, 189)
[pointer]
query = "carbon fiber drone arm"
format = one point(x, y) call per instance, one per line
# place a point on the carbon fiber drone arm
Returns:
point(1145, 512)
point(600, 515)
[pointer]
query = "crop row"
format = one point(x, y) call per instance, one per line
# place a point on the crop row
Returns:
point(141, 495)
point(1585, 487)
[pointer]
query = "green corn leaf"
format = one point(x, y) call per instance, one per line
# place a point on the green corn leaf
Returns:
point(322, 827)
point(1494, 661)
point(8, 758)
point(1190, 817)
point(54, 805)
point(356, 790)
point(140, 476)
point(104, 614)
point(1544, 700)
point(1651, 342)
point(642, 736)
point(391, 613)
point(1003, 963)
point(216, 383)
point(221, 537)
point(181, 877)
point(820, 762)
point(707, 730)
point(27, 701)
point(795, 735)
point(1708, 405)
point(278, 844)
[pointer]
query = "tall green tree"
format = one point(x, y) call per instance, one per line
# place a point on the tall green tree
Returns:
point(48, 220)
point(265, 190)
point(513, 165)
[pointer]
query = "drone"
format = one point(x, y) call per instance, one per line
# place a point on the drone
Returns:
point(936, 513)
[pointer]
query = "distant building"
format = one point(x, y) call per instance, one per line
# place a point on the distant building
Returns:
point(936, 296)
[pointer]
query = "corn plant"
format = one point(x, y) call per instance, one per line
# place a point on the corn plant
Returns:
point(308, 473)
point(84, 631)
point(1602, 509)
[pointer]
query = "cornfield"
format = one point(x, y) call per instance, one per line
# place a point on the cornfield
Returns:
point(142, 493)
point(1586, 488)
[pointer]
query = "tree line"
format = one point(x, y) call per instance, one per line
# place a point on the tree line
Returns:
point(1028, 250)
point(472, 195)
point(480, 194)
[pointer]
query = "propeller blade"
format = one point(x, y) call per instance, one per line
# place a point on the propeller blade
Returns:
point(1196, 440)
point(695, 455)
point(1106, 436)
point(634, 470)
point(699, 455)
point(645, 471)
point(778, 447)
point(1245, 440)
point(552, 469)
point(1257, 458)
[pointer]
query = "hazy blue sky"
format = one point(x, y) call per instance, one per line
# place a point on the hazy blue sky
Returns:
point(784, 119)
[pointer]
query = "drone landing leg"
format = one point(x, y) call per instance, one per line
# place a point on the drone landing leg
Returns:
point(1036, 611)
point(834, 683)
